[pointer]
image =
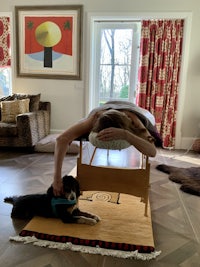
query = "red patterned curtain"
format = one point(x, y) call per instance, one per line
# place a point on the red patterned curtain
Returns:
point(158, 77)
point(5, 54)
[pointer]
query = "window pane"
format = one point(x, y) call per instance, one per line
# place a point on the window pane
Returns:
point(116, 89)
point(115, 64)
point(115, 57)
point(5, 81)
point(116, 43)
point(5, 62)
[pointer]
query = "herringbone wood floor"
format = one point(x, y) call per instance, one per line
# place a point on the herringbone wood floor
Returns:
point(175, 215)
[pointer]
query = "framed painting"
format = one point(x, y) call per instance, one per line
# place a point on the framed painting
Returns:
point(49, 41)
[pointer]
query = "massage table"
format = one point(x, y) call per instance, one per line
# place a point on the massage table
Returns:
point(132, 180)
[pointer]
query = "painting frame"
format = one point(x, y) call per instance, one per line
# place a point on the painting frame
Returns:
point(49, 41)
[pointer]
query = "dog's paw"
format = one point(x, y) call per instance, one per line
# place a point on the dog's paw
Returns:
point(91, 221)
point(97, 218)
point(85, 220)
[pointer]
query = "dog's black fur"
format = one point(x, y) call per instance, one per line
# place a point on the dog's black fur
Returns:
point(28, 206)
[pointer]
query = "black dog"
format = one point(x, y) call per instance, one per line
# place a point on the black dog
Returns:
point(47, 205)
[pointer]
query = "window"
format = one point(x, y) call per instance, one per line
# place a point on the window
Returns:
point(115, 61)
point(5, 57)
point(5, 81)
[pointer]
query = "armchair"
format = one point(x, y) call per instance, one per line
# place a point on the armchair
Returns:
point(27, 128)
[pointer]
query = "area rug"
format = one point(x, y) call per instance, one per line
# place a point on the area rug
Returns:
point(123, 231)
point(100, 196)
point(189, 178)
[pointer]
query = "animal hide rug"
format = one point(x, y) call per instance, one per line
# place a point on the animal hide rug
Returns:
point(189, 178)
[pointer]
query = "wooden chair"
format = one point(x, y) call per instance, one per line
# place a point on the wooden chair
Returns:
point(133, 181)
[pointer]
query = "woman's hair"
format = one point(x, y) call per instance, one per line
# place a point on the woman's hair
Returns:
point(117, 119)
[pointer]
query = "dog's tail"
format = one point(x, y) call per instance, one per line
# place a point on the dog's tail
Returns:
point(10, 200)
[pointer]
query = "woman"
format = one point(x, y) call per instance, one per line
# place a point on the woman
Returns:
point(128, 127)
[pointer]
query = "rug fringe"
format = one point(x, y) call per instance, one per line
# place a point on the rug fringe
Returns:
point(86, 249)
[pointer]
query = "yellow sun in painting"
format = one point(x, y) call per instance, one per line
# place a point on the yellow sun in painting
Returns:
point(48, 34)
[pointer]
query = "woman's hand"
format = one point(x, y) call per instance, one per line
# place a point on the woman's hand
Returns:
point(57, 187)
point(111, 133)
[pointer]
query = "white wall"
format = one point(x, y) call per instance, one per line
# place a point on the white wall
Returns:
point(69, 98)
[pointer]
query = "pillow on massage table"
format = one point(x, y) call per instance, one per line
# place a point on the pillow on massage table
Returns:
point(113, 144)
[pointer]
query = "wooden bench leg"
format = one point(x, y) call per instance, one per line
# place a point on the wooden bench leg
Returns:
point(146, 209)
point(93, 156)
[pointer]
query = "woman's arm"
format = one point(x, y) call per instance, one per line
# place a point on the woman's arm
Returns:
point(144, 143)
point(62, 143)
point(145, 146)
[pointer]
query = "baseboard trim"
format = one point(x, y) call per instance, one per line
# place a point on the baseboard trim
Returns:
point(186, 143)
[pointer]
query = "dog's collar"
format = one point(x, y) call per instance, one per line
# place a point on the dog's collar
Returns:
point(60, 201)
